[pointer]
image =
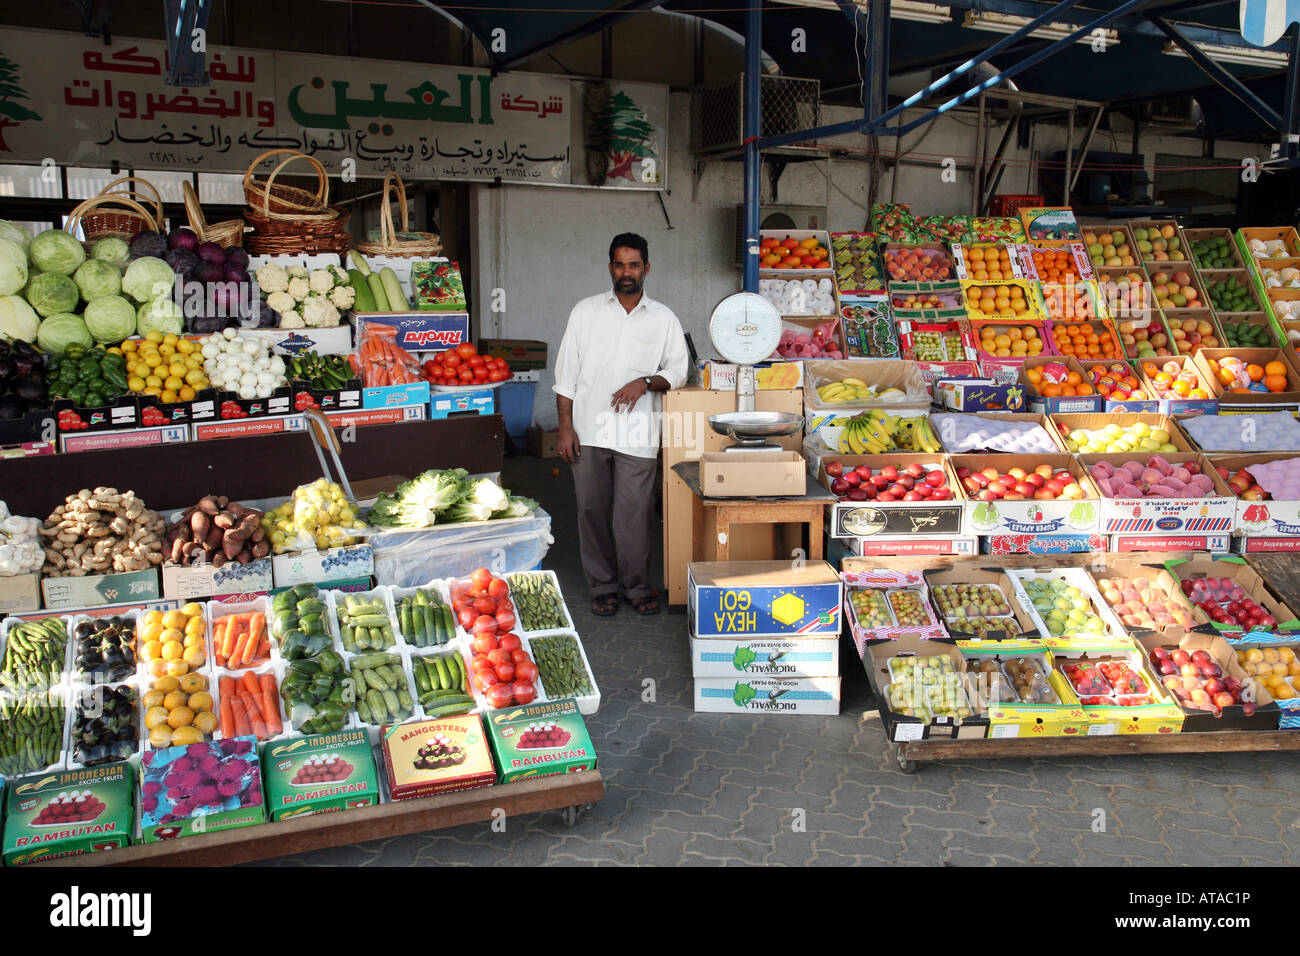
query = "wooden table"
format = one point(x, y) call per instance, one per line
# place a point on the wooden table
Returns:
point(569, 793)
point(716, 515)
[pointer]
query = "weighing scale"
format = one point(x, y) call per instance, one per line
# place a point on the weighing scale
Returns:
point(745, 329)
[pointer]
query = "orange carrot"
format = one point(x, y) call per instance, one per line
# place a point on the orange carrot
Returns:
point(271, 705)
point(256, 635)
point(228, 628)
point(219, 637)
point(248, 684)
point(254, 709)
point(355, 363)
point(239, 657)
point(241, 716)
point(227, 719)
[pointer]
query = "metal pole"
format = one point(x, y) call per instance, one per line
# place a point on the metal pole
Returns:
point(1069, 158)
point(977, 179)
point(1083, 152)
point(753, 159)
point(1290, 140)
point(1214, 71)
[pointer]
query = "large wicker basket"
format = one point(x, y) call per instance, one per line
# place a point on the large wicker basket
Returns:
point(278, 230)
point(119, 211)
point(390, 244)
point(227, 233)
point(279, 198)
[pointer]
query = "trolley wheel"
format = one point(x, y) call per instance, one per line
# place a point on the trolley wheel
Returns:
point(571, 815)
point(904, 764)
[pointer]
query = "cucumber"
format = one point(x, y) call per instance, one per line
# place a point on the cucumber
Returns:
point(365, 301)
point(359, 262)
point(393, 291)
point(377, 290)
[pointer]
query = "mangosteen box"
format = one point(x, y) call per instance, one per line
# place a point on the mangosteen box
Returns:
point(68, 813)
point(427, 757)
point(200, 788)
point(1212, 662)
point(322, 773)
point(541, 739)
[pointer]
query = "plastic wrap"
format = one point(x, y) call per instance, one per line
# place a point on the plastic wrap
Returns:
point(412, 558)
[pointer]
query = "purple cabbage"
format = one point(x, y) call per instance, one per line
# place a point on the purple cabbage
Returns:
point(147, 243)
point(211, 252)
point(235, 255)
point(233, 273)
point(181, 260)
point(208, 271)
point(183, 239)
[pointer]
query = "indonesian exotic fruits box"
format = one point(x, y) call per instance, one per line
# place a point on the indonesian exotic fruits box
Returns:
point(199, 788)
point(67, 813)
point(540, 740)
point(424, 757)
point(320, 774)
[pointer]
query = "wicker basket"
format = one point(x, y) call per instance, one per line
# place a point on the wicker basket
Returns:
point(119, 211)
point(279, 231)
point(227, 233)
point(279, 198)
point(429, 244)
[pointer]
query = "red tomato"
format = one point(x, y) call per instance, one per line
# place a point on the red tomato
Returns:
point(523, 691)
point(505, 672)
point(465, 374)
point(485, 605)
point(481, 663)
point(466, 616)
point(505, 604)
point(498, 589)
point(519, 656)
point(480, 374)
point(466, 350)
point(526, 670)
point(485, 623)
point(480, 579)
point(505, 620)
point(459, 591)
point(500, 656)
point(510, 642)
point(452, 360)
point(487, 680)
point(476, 360)
point(500, 695)
point(485, 643)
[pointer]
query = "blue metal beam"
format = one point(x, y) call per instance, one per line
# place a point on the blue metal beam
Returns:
point(1291, 109)
point(1031, 60)
point(752, 129)
point(1214, 71)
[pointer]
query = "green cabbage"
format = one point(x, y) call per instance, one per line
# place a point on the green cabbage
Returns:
point(59, 331)
point(52, 292)
point(111, 250)
point(13, 267)
point(15, 234)
point(57, 251)
point(97, 278)
point(148, 278)
point(18, 321)
point(110, 319)
point(160, 315)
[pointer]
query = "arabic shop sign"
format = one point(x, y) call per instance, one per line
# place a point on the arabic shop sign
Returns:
point(82, 102)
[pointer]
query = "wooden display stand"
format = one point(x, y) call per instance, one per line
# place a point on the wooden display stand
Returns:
point(569, 793)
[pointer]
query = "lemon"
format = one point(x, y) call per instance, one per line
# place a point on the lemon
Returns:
point(160, 736)
point(157, 667)
point(186, 394)
point(175, 668)
point(192, 683)
point(155, 717)
point(169, 397)
point(183, 736)
point(172, 650)
point(193, 376)
point(195, 656)
point(129, 345)
point(135, 384)
point(200, 701)
point(152, 650)
point(153, 381)
point(151, 617)
point(195, 625)
point(176, 698)
point(171, 338)
point(152, 699)
point(166, 351)
point(205, 722)
point(180, 717)
point(167, 684)
point(153, 360)
point(185, 346)
point(152, 390)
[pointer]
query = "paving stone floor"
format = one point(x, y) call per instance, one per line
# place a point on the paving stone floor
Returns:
point(702, 789)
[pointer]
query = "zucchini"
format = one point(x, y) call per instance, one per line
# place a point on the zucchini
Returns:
point(393, 291)
point(377, 290)
point(360, 263)
point(365, 301)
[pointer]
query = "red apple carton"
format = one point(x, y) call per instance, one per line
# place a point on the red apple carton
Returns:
point(910, 709)
point(908, 493)
point(1026, 494)
point(1146, 598)
point(1174, 493)
point(891, 545)
point(1048, 708)
point(979, 605)
point(1269, 511)
point(875, 600)
point(1056, 404)
point(1235, 598)
point(1202, 674)
point(1117, 691)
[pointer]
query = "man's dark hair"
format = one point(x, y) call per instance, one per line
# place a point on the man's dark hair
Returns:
point(630, 240)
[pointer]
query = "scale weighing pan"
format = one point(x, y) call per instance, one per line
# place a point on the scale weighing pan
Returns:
point(745, 329)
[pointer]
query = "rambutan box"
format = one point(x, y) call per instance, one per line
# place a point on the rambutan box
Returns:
point(200, 788)
point(541, 739)
point(67, 813)
point(319, 774)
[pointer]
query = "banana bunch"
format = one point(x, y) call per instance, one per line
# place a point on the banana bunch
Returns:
point(876, 431)
point(852, 390)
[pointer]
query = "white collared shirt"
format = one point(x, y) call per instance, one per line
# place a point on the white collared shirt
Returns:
point(605, 348)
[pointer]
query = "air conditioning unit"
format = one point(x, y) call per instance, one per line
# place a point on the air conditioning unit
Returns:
point(1179, 109)
point(787, 105)
point(777, 216)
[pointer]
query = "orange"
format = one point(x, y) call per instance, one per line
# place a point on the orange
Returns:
point(1275, 383)
point(1073, 378)
point(1034, 375)
point(1255, 372)
point(1050, 390)
point(1084, 388)
point(1275, 368)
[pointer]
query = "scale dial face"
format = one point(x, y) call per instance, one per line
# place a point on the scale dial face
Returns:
point(745, 328)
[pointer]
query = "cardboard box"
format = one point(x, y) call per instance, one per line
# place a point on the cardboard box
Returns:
point(185, 790)
point(721, 376)
point(122, 413)
point(1041, 544)
point(127, 438)
point(869, 329)
point(932, 373)
point(454, 404)
point(246, 427)
point(1265, 519)
point(765, 657)
point(979, 394)
point(424, 757)
point(1255, 401)
point(336, 340)
point(186, 583)
point(316, 567)
point(1263, 715)
point(437, 286)
point(1288, 707)
point(36, 427)
point(753, 474)
point(1124, 568)
point(866, 519)
point(520, 353)
point(763, 599)
point(20, 592)
point(319, 774)
point(1245, 577)
point(426, 331)
point(1164, 716)
point(327, 399)
point(823, 240)
point(899, 726)
point(92, 589)
point(542, 444)
point(1057, 405)
point(154, 411)
point(883, 373)
point(1030, 516)
point(1050, 438)
point(1015, 719)
point(1075, 577)
point(46, 820)
point(893, 544)
point(1213, 543)
point(767, 695)
point(1214, 513)
point(541, 739)
point(396, 396)
point(883, 626)
point(1097, 421)
point(1018, 623)
point(27, 449)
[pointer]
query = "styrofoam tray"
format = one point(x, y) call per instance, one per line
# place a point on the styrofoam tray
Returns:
point(555, 580)
point(588, 704)
point(440, 587)
point(9, 623)
point(381, 593)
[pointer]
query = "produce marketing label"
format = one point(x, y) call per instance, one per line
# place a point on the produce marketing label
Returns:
point(854, 520)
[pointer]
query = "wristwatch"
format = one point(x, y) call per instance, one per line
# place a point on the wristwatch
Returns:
point(646, 379)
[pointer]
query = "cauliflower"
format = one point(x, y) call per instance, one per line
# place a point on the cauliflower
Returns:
point(319, 313)
point(343, 296)
point(297, 272)
point(340, 275)
point(321, 281)
point(291, 320)
point(272, 278)
point(298, 288)
point(281, 302)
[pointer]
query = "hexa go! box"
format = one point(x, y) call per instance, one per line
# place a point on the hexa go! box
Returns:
point(763, 599)
point(68, 813)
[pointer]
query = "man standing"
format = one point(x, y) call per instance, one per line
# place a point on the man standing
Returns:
point(621, 349)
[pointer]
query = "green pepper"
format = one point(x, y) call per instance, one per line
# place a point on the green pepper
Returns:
point(329, 661)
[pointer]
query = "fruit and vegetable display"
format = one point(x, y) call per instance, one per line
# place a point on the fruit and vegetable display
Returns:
point(1043, 483)
point(875, 432)
point(538, 602)
point(909, 263)
point(1062, 607)
point(173, 643)
point(1274, 667)
point(363, 622)
point(423, 618)
point(318, 515)
point(87, 378)
point(441, 685)
point(789, 252)
point(101, 532)
point(1226, 602)
point(31, 730)
point(1141, 603)
point(105, 650)
point(217, 531)
point(926, 687)
point(105, 727)
point(306, 299)
point(1117, 382)
point(871, 607)
point(800, 296)
point(912, 482)
point(1011, 341)
point(446, 496)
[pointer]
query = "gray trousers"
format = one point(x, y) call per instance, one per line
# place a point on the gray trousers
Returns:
point(615, 504)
